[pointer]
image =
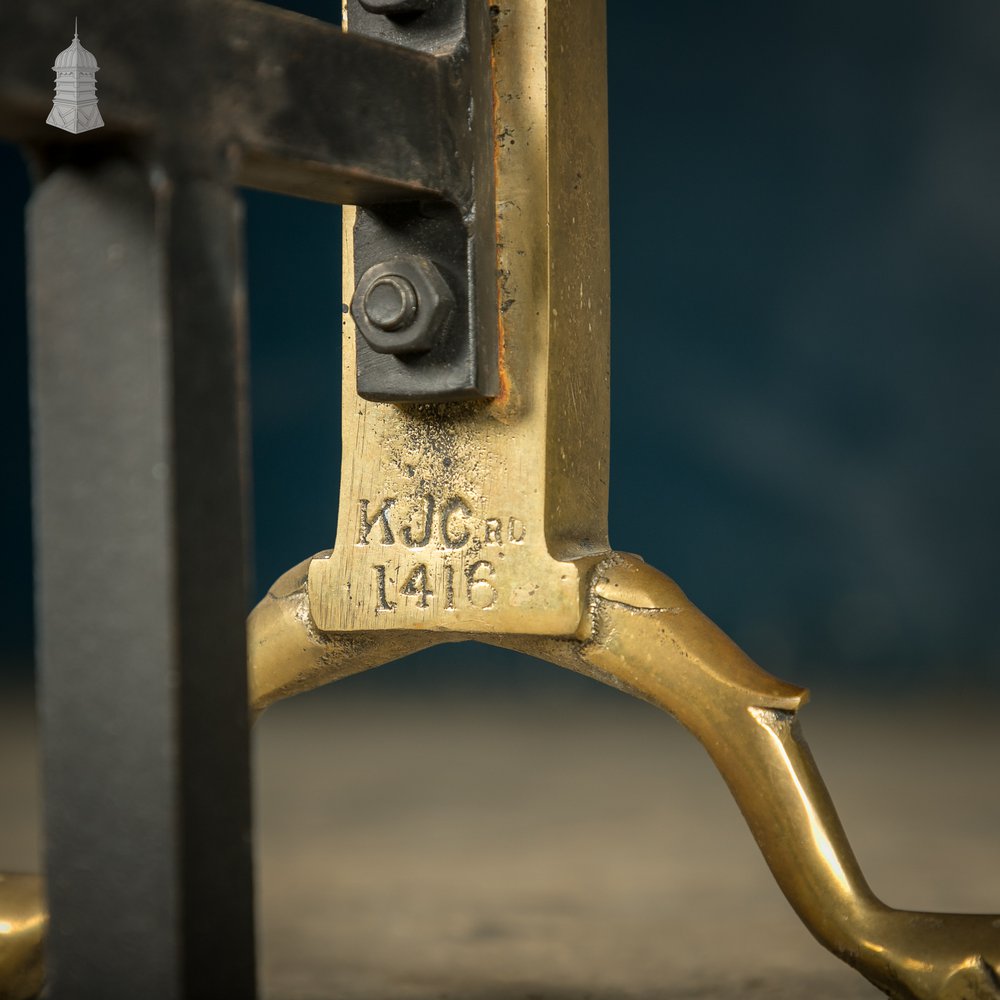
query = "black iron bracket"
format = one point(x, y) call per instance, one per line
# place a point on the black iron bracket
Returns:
point(425, 305)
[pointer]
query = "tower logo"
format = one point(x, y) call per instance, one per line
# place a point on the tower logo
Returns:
point(75, 106)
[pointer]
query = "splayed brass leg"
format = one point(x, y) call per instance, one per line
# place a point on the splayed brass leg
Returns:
point(645, 637)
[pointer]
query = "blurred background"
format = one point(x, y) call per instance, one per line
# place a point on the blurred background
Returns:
point(810, 192)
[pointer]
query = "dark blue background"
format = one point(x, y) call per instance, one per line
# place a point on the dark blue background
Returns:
point(807, 196)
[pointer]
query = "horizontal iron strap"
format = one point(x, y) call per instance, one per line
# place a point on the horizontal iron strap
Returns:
point(309, 109)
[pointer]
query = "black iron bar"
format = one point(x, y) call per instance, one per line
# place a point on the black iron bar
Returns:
point(137, 378)
point(303, 107)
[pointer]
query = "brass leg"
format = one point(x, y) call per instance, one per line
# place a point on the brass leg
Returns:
point(646, 638)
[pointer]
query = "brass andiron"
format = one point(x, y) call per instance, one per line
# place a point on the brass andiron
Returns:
point(487, 521)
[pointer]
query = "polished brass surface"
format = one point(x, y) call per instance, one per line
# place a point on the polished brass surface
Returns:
point(487, 521)
point(22, 926)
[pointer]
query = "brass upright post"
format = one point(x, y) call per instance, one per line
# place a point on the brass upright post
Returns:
point(486, 517)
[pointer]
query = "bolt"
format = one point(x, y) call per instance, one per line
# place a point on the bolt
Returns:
point(391, 303)
point(391, 7)
point(401, 305)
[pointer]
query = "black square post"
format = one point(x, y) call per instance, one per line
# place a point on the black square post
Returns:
point(137, 351)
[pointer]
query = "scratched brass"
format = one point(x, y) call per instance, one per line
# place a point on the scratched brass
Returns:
point(484, 517)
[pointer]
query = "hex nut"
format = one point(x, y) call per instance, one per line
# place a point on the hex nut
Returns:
point(389, 318)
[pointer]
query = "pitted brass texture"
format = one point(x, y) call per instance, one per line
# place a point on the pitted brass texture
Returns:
point(487, 521)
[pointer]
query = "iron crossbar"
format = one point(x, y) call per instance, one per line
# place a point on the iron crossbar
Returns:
point(269, 98)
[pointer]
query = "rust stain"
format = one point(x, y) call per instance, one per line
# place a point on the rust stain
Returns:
point(502, 399)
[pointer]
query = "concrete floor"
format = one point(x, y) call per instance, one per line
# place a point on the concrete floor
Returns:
point(558, 844)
